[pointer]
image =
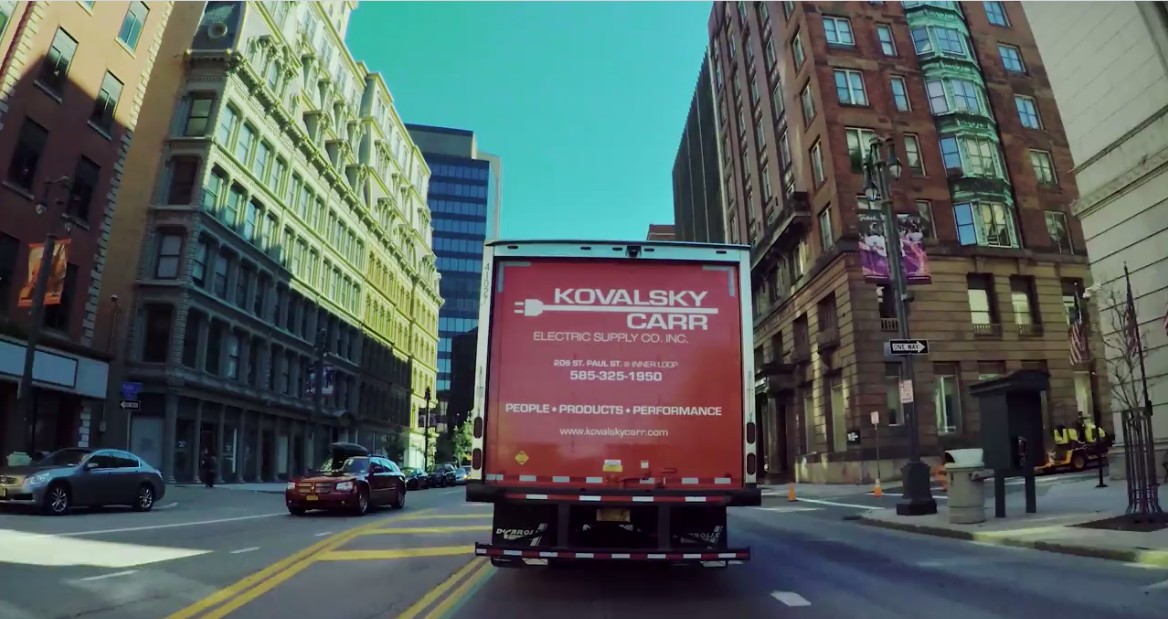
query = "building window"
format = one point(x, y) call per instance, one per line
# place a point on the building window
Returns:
point(760, 137)
point(131, 30)
point(808, 103)
point(1059, 231)
point(996, 13)
point(156, 334)
point(817, 164)
point(1028, 112)
point(9, 249)
point(947, 398)
point(887, 44)
point(57, 316)
point(754, 94)
point(6, 9)
point(912, 155)
point(838, 31)
point(106, 103)
point(219, 285)
point(797, 50)
point(984, 223)
point(784, 151)
point(244, 144)
point(777, 100)
point(192, 335)
point(199, 263)
point(55, 66)
point(26, 157)
point(921, 42)
point(925, 210)
point(893, 409)
point(949, 41)
point(199, 115)
point(1043, 166)
point(938, 103)
point(214, 348)
point(82, 187)
point(849, 87)
point(900, 94)
point(826, 236)
point(771, 56)
point(980, 293)
point(169, 256)
point(971, 156)
point(251, 220)
point(1011, 58)
point(965, 96)
point(1023, 301)
point(183, 178)
point(1072, 297)
point(233, 206)
point(232, 356)
point(228, 118)
point(858, 141)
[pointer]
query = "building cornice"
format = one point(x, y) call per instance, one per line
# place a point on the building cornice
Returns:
point(1134, 177)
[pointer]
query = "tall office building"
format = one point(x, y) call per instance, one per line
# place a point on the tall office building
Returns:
point(699, 206)
point(72, 80)
point(1108, 66)
point(464, 197)
point(984, 203)
point(286, 226)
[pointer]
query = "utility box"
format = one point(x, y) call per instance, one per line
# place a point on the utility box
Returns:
point(964, 469)
point(1012, 436)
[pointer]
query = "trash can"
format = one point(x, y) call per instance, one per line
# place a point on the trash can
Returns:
point(964, 469)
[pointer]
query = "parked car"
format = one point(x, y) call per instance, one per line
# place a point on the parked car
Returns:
point(459, 476)
point(442, 475)
point(416, 478)
point(82, 477)
point(351, 480)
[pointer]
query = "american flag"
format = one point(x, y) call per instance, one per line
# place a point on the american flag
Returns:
point(1131, 327)
point(1080, 349)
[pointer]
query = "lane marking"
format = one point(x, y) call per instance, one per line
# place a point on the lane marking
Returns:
point(786, 510)
point(790, 598)
point(939, 497)
point(21, 548)
point(836, 504)
point(461, 594)
point(475, 564)
point(423, 530)
point(167, 506)
point(105, 576)
point(398, 553)
point(173, 525)
point(323, 533)
point(1157, 587)
point(447, 517)
point(243, 550)
point(251, 587)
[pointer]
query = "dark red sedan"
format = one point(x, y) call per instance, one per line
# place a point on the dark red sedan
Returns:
point(355, 484)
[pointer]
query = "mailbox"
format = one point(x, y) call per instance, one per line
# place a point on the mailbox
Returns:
point(1012, 436)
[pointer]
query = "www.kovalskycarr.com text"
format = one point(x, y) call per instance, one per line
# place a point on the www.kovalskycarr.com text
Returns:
point(614, 432)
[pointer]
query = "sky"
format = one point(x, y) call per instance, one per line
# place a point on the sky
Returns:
point(583, 101)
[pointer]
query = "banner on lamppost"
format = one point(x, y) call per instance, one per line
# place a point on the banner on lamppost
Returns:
point(58, 267)
point(874, 249)
point(328, 382)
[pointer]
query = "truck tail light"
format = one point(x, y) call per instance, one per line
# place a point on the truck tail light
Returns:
point(751, 464)
point(476, 459)
point(478, 428)
point(751, 431)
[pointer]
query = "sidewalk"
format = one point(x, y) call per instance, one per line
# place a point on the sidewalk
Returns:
point(1061, 506)
point(275, 487)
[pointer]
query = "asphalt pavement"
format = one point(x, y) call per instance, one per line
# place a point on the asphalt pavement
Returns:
point(223, 553)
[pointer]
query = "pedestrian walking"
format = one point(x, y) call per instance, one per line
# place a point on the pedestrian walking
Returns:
point(207, 466)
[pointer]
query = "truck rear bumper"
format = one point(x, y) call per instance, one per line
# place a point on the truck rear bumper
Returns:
point(675, 555)
point(479, 492)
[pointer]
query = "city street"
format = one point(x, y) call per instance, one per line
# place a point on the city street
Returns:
point(225, 553)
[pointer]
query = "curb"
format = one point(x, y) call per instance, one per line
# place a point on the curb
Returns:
point(227, 487)
point(1154, 558)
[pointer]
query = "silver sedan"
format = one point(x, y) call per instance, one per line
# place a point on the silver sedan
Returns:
point(79, 477)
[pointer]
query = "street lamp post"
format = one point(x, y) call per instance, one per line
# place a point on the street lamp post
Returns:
point(879, 171)
point(426, 433)
point(1096, 414)
point(37, 315)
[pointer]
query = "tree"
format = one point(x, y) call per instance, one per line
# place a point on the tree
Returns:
point(1127, 354)
point(395, 444)
point(463, 441)
point(444, 449)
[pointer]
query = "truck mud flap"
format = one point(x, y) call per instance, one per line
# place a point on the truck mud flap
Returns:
point(517, 556)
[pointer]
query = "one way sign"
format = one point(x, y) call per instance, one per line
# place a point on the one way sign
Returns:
point(908, 347)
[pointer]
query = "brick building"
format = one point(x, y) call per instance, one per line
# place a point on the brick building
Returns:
point(72, 80)
point(959, 88)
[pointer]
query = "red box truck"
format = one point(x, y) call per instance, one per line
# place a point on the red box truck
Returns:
point(613, 408)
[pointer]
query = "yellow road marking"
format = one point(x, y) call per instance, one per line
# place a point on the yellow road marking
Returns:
point(459, 594)
point(397, 553)
point(414, 530)
point(421, 605)
point(445, 517)
point(243, 587)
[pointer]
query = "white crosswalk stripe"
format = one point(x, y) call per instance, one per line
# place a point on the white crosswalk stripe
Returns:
point(57, 551)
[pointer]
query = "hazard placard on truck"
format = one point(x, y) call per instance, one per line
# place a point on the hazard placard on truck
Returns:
point(613, 404)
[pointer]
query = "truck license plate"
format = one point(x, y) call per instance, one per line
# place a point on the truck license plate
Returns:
point(311, 497)
point(612, 515)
